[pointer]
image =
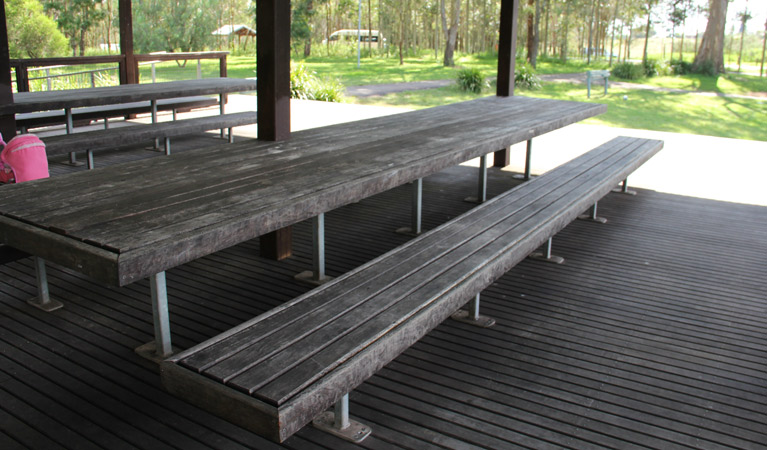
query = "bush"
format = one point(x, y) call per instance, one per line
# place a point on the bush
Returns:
point(628, 71)
point(306, 85)
point(707, 68)
point(680, 67)
point(653, 68)
point(471, 80)
point(525, 77)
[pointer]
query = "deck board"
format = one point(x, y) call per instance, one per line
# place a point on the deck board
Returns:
point(651, 335)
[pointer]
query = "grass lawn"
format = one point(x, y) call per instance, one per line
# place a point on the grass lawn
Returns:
point(644, 109)
point(730, 83)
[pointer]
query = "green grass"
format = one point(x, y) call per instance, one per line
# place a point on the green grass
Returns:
point(730, 83)
point(644, 109)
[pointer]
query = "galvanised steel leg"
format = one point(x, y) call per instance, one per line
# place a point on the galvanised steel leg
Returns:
point(592, 215)
point(472, 315)
point(415, 213)
point(222, 108)
point(167, 146)
point(161, 347)
point(546, 254)
point(317, 275)
point(70, 130)
point(528, 160)
point(43, 299)
point(624, 189)
point(481, 183)
point(154, 120)
point(231, 136)
point(90, 159)
point(338, 423)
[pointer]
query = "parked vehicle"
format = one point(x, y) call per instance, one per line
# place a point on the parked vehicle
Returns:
point(373, 36)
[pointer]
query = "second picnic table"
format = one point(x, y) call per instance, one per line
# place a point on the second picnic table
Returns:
point(136, 220)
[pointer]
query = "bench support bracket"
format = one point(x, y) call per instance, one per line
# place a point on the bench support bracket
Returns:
point(161, 347)
point(43, 300)
point(592, 215)
point(624, 189)
point(415, 214)
point(482, 182)
point(337, 423)
point(472, 315)
point(528, 160)
point(546, 255)
point(316, 276)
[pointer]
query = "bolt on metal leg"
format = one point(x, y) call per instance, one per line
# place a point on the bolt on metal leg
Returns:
point(592, 215)
point(415, 213)
point(624, 189)
point(472, 315)
point(316, 276)
point(481, 184)
point(43, 300)
point(546, 255)
point(337, 422)
point(161, 347)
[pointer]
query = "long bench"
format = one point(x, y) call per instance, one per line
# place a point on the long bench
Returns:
point(279, 371)
point(25, 121)
point(116, 137)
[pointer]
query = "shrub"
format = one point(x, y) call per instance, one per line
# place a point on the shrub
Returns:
point(628, 71)
point(471, 80)
point(654, 68)
point(525, 77)
point(305, 85)
point(707, 68)
point(680, 67)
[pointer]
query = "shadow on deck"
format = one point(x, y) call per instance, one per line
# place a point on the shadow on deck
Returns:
point(652, 334)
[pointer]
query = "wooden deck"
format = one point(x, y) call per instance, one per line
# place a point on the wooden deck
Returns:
point(651, 335)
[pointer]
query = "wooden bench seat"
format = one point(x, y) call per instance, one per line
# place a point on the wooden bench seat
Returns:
point(277, 372)
point(116, 137)
point(87, 114)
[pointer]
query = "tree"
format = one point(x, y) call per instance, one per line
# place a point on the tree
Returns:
point(32, 34)
point(764, 49)
point(648, 8)
point(451, 33)
point(180, 25)
point(75, 18)
point(710, 56)
point(744, 16)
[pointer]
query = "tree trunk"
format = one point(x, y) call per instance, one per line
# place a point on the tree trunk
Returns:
point(563, 55)
point(451, 33)
point(533, 36)
point(711, 52)
point(612, 38)
point(547, 6)
point(681, 40)
point(647, 33)
point(764, 47)
point(591, 31)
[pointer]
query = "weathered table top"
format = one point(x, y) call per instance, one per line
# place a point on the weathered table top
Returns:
point(75, 98)
point(126, 222)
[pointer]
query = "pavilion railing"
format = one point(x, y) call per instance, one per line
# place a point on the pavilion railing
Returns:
point(28, 72)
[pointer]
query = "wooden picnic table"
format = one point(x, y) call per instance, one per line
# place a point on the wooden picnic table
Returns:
point(136, 220)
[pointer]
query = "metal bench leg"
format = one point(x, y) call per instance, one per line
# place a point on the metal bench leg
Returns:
point(167, 146)
point(316, 276)
point(231, 136)
point(546, 254)
point(472, 315)
point(222, 109)
point(43, 299)
point(528, 159)
point(90, 163)
point(337, 423)
point(482, 182)
point(624, 189)
point(70, 129)
point(161, 347)
point(154, 120)
point(106, 123)
point(592, 215)
point(415, 214)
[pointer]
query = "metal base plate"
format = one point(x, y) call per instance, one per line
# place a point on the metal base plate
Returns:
point(356, 432)
point(472, 199)
point(482, 321)
point(147, 351)
point(541, 257)
point(621, 191)
point(592, 219)
point(50, 305)
point(75, 164)
point(407, 231)
point(521, 176)
point(307, 276)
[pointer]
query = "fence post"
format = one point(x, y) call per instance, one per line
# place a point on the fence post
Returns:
point(153, 73)
point(199, 69)
point(48, 79)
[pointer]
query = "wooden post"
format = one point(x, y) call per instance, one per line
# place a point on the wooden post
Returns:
point(507, 49)
point(7, 122)
point(273, 71)
point(129, 67)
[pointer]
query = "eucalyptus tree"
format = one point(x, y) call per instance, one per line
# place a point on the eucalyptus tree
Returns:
point(451, 31)
point(75, 19)
point(32, 34)
point(743, 16)
point(710, 56)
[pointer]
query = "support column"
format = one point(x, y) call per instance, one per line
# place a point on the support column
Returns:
point(7, 122)
point(472, 316)
point(546, 255)
point(129, 68)
point(338, 423)
point(273, 72)
point(316, 276)
point(507, 42)
point(481, 182)
point(43, 300)
point(528, 161)
point(592, 215)
point(161, 347)
point(415, 213)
